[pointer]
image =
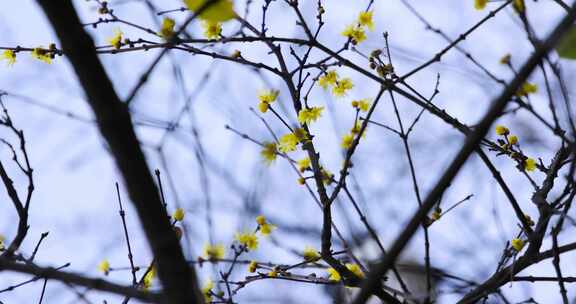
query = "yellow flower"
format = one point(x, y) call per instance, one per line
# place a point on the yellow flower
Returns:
point(327, 176)
point(310, 254)
point(148, 278)
point(354, 33)
point(505, 59)
point(247, 239)
point(212, 29)
point(480, 4)
point(362, 104)
point(526, 89)
point(365, 19)
point(304, 164)
point(268, 96)
point(288, 142)
point(502, 130)
point(342, 86)
point(269, 152)
point(329, 79)
point(207, 291)
point(518, 5)
point(167, 30)
point(42, 54)
point(273, 273)
point(265, 227)
point(512, 139)
point(252, 266)
point(355, 269)
point(178, 215)
point(333, 275)
point(104, 266)
point(310, 115)
point(263, 107)
point(9, 56)
point(214, 252)
point(347, 141)
point(356, 129)
point(436, 214)
point(116, 40)
point(219, 11)
point(517, 244)
point(261, 220)
point(530, 164)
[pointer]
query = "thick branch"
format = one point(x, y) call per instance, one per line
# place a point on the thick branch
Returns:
point(179, 280)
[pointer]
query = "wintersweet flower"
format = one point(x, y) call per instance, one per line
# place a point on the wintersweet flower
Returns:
point(178, 214)
point(167, 29)
point(248, 240)
point(310, 254)
point(116, 40)
point(512, 139)
point(480, 4)
point(42, 55)
point(212, 29)
point(207, 291)
point(267, 97)
point(362, 104)
point(355, 269)
point(214, 252)
point(269, 152)
point(527, 89)
point(342, 86)
point(148, 278)
point(333, 275)
point(288, 143)
point(329, 79)
point(355, 33)
point(347, 141)
point(9, 56)
point(530, 164)
point(104, 266)
point(219, 11)
point(518, 5)
point(252, 266)
point(309, 115)
point(517, 244)
point(365, 19)
point(303, 164)
point(265, 227)
point(502, 130)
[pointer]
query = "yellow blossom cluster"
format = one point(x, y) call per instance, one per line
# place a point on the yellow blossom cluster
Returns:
point(263, 226)
point(510, 146)
point(247, 239)
point(356, 32)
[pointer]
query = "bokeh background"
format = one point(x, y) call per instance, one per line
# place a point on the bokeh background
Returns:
point(219, 177)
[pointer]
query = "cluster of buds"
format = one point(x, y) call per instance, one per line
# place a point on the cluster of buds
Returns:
point(377, 64)
point(103, 9)
point(509, 145)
